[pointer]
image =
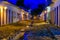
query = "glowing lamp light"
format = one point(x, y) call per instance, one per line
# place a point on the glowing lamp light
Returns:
point(48, 9)
point(45, 11)
point(5, 7)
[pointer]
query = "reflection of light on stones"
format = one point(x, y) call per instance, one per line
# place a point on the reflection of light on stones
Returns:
point(27, 26)
point(22, 29)
point(4, 39)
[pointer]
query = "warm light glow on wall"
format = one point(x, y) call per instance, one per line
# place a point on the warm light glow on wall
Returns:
point(27, 16)
point(3, 14)
point(22, 14)
point(42, 16)
point(1, 7)
point(5, 7)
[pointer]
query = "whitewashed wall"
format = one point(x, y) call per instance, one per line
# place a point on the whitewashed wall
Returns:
point(10, 14)
point(56, 12)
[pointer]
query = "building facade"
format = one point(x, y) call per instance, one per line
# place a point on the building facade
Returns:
point(55, 13)
point(10, 13)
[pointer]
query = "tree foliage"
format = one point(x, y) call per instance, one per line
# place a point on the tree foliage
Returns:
point(20, 3)
point(38, 10)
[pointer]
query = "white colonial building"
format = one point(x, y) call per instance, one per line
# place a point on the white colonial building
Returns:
point(10, 13)
point(55, 13)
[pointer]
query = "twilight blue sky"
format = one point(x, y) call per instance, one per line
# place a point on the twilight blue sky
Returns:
point(32, 3)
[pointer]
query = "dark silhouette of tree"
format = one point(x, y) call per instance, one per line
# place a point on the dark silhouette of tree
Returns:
point(37, 11)
point(49, 2)
point(20, 3)
point(5, 0)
